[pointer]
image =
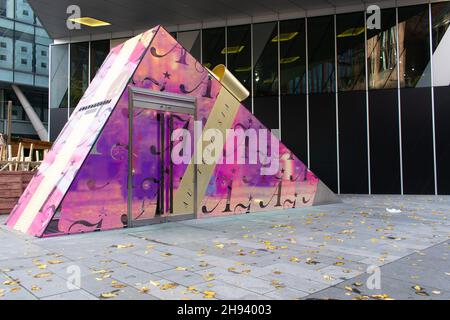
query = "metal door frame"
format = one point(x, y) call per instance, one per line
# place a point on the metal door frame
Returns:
point(160, 101)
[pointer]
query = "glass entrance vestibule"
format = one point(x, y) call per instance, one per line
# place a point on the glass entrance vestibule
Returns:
point(161, 124)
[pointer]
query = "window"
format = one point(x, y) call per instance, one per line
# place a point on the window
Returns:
point(321, 54)
point(2, 57)
point(99, 52)
point(7, 8)
point(190, 40)
point(265, 59)
point(79, 78)
point(292, 57)
point(440, 13)
point(58, 77)
point(382, 52)
point(6, 49)
point(265, 74)
point(43, 53)
point(351, 51)
point(23, 61)
point(24, 50)
point(23, 11)
point(43, 65)
point(239, 59)
point(414, 46)
point(213, 47)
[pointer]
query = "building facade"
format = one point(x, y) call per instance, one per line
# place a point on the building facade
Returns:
point(24, 52)
point(367, 108)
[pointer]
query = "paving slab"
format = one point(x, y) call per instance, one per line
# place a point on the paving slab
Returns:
point(303, 253)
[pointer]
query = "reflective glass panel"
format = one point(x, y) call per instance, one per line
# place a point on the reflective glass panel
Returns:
point(321, 54)
point(350, 35)
point(292, 57)
point(190, 40)
point(239, 59)
point(265, 56)
point(440, 14)
point(213, 47)
point(79, 68)
point(414, 46)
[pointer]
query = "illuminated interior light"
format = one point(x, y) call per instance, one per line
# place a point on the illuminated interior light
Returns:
point(230, 50)
point(285, 36)
point(90, 22)
point(243, 69)
point(352, 32)
point(289, 60)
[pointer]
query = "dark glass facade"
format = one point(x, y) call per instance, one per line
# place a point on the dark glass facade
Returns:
point(365, 108)
point(213, 48)
point(440, 22)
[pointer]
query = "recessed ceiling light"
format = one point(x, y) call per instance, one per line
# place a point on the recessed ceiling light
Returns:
point(352, 32)
point(243, 69)
point(289, 60)
point(90, 22)
point(235, 49)
point(285, 36)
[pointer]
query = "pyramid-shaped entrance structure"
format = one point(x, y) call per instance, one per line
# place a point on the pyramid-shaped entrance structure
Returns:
point(158, 137)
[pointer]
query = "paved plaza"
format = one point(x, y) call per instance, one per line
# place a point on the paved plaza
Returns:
point(309, 253)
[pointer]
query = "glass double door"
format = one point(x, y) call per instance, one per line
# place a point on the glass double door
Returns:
point(161, 147)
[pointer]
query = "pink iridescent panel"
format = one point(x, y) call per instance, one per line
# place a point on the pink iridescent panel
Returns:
point(69, 151)
point(241, 188)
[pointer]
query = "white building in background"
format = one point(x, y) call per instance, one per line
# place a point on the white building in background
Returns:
point(24, 61)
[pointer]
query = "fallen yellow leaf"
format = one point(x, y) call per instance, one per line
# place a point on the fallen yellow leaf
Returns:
point(383, 296)
point(167, 286)
point(181, 268)
point(209, 276)
point(43, 275)
point(108, 295)
point(417, 288)
point(10, 283)
point(144, 290)
point(35, 288)
point(209, 294)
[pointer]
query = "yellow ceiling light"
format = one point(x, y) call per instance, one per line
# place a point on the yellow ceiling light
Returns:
point(285, 36)
point(289, 60)
point(243, 69)
point(352, 32)
point(230, 50)
point(90, 22)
